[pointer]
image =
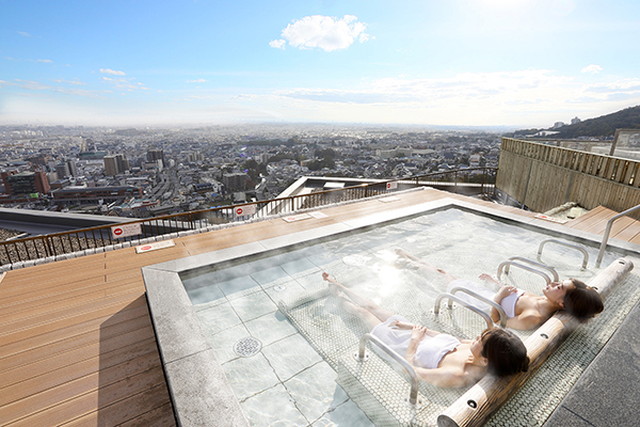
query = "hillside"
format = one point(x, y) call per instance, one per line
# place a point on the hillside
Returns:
point(603, 126)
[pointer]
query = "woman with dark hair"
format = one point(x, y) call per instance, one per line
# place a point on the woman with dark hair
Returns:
point(524, 309)
point(439, 359)
point(582, 301)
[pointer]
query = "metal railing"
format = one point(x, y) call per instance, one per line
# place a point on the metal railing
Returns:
point(531, 262)
point(90, 240)
point(463, 303)
point(361, 357)
point(607, 231)
point(583, 251)
point(501, 314)
point(509, 263)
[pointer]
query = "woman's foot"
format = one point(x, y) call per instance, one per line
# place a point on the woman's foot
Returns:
point(406, 254)
point(333, 281)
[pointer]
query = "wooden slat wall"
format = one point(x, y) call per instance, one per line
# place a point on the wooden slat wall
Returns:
point(543, 177)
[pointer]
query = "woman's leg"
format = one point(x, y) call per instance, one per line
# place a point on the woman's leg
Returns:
point(425, 265)
point(365, 315)
point(359, 301)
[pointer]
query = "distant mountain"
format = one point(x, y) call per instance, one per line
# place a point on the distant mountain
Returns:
point(603, 126)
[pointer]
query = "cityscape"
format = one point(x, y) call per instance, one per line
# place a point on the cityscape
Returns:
point(150, 172)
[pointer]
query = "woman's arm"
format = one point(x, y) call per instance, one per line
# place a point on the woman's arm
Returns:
point(502, 293)
point(444, 377)
point(417, 334)
point(526, 320)
point(408, 326)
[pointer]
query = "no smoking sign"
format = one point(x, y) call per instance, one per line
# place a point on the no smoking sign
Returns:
point(125, 230)
point(245, 210)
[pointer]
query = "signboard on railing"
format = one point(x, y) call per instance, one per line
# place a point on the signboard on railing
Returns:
point(155, 246)
point(392, 185)
point(126, 230)
point(244, 210)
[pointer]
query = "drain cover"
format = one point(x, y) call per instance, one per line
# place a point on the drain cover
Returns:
point(247, 347)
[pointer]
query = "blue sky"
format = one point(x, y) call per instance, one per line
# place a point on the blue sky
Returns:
point(520, 63)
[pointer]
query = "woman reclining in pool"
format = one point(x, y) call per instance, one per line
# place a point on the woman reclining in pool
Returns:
point(526, 310)
point(439, 359)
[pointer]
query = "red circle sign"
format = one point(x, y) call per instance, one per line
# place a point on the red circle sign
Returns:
point(239, 211)
point(118, 231)
point(145, 248)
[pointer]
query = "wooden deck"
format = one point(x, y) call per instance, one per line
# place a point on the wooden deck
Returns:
point(77, 344)
point(595, 221)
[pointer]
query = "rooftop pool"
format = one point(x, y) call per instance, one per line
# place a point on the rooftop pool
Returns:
point(250, 335)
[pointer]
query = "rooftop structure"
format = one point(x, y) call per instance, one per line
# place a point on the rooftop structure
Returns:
point(78, 344)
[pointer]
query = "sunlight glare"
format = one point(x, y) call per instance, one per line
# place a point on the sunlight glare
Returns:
point(389, 277)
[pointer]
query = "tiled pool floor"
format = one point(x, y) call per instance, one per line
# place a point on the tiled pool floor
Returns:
point(286, 383)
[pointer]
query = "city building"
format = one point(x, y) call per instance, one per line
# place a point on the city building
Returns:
point(16, 183)
point(115, 164)
point(235, 181)
point(62, 170)
point(153, 155)
point(85, 195)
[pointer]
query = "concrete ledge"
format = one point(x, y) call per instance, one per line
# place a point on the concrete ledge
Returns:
point(607, 392)
point(198, 387)
point(177, 326)
point(190, 380)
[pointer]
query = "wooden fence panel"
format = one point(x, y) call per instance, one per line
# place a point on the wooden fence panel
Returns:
point(543, 176)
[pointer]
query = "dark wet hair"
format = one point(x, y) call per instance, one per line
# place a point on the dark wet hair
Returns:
point(583, 302)
point(504, 351)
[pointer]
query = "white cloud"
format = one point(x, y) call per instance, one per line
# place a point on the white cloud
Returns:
point(45, 61)
point(24, 34)
point(323, 32)
point(30, 85)
point(70, 82)
point(127, 84)
point(36, 86)
point(197, 81)
point(278, 44)
point(112, 72)
point(593, 69)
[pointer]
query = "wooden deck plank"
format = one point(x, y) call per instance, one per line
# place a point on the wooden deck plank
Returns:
point(128, 411)
point(59, 271)
point(47, 285)
point(635, 239)
point(594, 223)
point(137, 331)
point(599, 210)
point(82, 297)
point(72, 335)
point(24, 293)
point(629, 233)
point(64, 315)
point(80, 397)
point(159, 417)
point(621, 224)
point(56, 377)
